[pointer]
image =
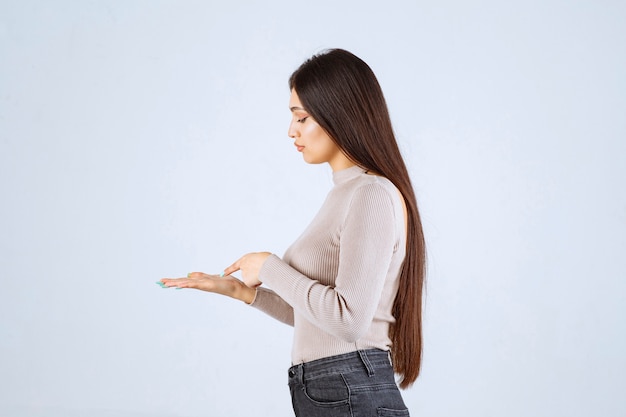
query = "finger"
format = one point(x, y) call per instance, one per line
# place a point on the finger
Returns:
point(174, 282)
point(164, 284)
point(166, 280)
point(232, 269)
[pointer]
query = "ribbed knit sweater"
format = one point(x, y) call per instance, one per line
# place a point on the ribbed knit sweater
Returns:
point(337, 282)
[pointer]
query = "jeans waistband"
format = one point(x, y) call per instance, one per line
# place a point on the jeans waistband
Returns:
point(369, 360)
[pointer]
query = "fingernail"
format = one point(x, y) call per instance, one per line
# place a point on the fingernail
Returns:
point(178, 288)
point(222, 274)
point(161, 284)
point(188, 275)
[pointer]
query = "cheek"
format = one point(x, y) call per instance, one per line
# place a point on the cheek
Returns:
point(311, 130)
point(319, 147)
point(317, 138)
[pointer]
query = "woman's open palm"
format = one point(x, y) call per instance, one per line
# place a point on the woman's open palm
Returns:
point(227, 285)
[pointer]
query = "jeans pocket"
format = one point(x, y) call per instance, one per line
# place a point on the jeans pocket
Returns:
point(329, 390)
point(387, 412)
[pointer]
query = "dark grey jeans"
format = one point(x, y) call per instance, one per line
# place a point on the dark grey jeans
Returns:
point(357, 384)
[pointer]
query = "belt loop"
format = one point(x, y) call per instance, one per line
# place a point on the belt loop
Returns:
point(366, 362)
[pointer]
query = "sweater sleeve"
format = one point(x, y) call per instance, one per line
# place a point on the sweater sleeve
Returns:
point(366, 247)
point(270, 303)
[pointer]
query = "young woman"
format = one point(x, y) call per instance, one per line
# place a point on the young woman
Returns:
point(351, 284)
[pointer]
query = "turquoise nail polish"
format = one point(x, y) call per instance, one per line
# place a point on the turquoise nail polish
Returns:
point(222, 274)
point(178, 288)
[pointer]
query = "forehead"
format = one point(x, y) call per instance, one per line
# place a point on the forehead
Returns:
point(294, 102)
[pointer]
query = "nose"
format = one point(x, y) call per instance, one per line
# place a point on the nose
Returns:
point(292, 132)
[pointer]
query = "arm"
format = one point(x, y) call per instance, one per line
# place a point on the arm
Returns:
point(265, 300)
point(260, 298)
point(366, 247)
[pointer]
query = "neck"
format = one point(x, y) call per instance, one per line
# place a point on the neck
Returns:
point(340, 163)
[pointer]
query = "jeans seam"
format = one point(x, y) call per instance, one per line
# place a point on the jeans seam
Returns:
point(349, 394)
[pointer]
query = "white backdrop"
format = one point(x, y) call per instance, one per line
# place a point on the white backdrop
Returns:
point(147, 139)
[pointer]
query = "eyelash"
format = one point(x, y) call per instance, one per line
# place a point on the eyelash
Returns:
point(302, 120)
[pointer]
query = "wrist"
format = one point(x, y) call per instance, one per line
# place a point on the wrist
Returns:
point(246, 294)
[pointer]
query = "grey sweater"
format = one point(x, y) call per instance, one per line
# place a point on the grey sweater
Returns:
point(337, 282)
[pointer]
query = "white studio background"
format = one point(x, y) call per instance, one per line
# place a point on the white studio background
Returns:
point(147, 139)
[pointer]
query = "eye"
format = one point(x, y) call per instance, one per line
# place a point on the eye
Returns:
point(302, 120)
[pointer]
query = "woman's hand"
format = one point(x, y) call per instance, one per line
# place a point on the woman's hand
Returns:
point(228, 285)
point(249, 265)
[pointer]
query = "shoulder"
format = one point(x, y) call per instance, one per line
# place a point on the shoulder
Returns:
point(373, 191)
point(373, 184)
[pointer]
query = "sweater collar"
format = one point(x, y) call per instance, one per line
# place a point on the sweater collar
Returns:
point(346, 174)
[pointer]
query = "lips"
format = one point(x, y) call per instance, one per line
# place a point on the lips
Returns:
point(299, 147)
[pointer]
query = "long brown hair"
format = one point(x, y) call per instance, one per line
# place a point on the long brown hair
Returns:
point(342, 94)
